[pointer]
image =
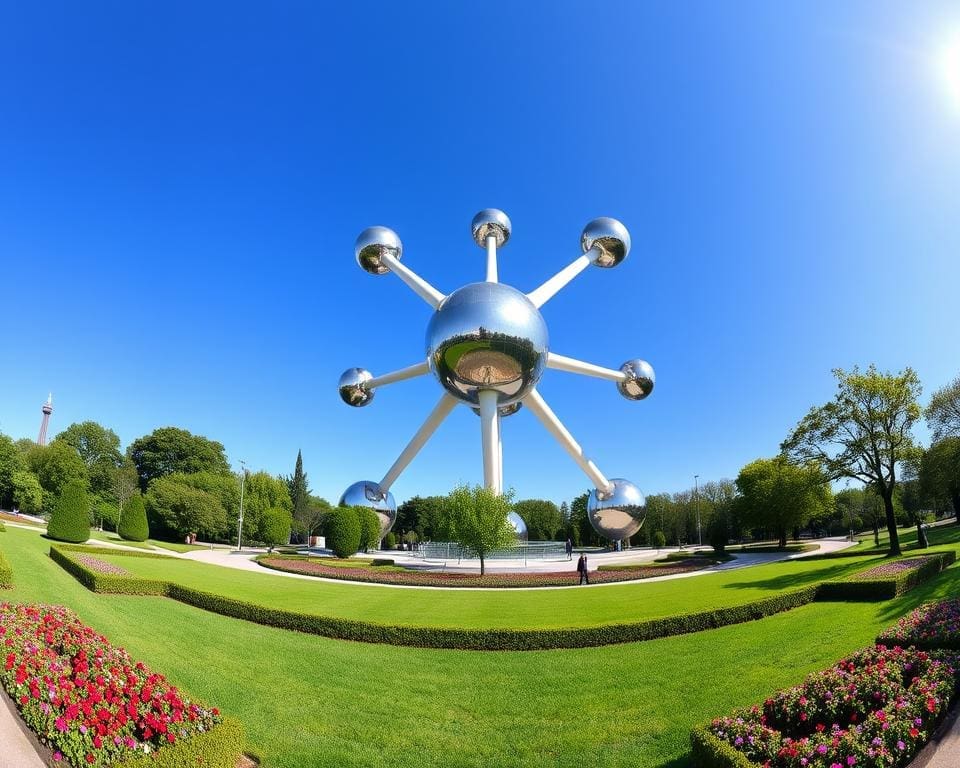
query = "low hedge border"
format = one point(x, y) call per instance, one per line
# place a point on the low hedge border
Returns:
point(886, 589)
point(6, 573)
point(707, 751)
point(438, 637)
point(217, 748)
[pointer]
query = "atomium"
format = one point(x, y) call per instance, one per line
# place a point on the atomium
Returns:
point(518, 525)
point(487, 345)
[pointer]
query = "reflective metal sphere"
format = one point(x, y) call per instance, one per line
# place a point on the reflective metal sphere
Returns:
point(353, 389)
point(487, 336)
point(367, 493)
point(519, 526)
point(372, 243)
point(503, 410)
point(619, 514)
point(640, 382)
point(610, 236)
point(490, 221)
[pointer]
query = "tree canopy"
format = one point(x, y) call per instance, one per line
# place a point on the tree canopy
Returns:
point(99, 448)
point(943, 411)
point(543, 519)
point(478, 520)
point(176, 508)
point(863, 433)
point(55, 465)
point(170, 449)
point(940, 472)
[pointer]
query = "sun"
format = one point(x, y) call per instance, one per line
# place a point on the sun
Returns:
point(948, 70)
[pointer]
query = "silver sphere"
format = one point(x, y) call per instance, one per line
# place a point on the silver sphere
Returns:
point(619, 514)
point(518, 525)
point(367, 493)
point(610, 237)
point(503, 410)
point(640, 379)
point(491, 221)
point(487, 336)
point(353, 387)
point(373, 243)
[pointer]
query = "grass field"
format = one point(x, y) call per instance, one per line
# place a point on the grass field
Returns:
point(307, 700)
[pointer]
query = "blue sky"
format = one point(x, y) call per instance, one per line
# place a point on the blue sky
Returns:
point(181, 187)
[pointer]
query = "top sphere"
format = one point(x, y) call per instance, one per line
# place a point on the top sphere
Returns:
point(491, 221)
point(640, 379)
point(373, 243)
point(610, 237)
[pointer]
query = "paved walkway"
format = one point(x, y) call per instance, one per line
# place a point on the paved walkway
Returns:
point(16, 748)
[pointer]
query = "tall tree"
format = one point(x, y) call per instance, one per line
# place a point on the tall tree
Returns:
point(300, 495)
point(55, 465)
point(543, 518)
point(781, 496)
point(169, 449)
point(943, 411)
point(176, 509)
point(11, 462)
point(863, 433)
point(940, 472)
point(478, 520)
point(99, 448)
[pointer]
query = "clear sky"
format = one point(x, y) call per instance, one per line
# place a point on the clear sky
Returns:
point(181, 185)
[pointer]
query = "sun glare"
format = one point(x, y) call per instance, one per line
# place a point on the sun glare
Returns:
point(948, 64)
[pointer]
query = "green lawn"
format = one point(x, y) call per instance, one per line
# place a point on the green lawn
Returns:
point(513, 608)
point(307, 700)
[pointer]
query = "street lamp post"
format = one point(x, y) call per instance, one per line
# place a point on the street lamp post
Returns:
point(243, 477)
point(696, 486)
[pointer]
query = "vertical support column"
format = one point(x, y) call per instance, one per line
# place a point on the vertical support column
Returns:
point(492, 259)
point(490, 438)
point(499, 453)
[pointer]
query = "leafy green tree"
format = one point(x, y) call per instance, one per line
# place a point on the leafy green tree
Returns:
point(27, 493)
point(478, 520)
point(426, 515)
point(55, 465)
point(176, 509)
point(343, 531)
point(940, 472)
point(659, 540)
point(170, 449)
point(581, 532)
point(300, 497)
point(133, 523)
point(781, 496)
point(943, 411)
point(99, 448)
point(369, 528)
point(224, 488)
point(313, 519)
point(543, 519)
point(275, 530)
point(70, 520)
point(11, 461)
point(263, 491)
point(863, 433)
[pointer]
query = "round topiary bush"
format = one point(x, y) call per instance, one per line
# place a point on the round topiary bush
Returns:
point(343, 531)
point(369, 528)
point(390, 541)
point(70, 520)
point(275, 528)
point(133, 521)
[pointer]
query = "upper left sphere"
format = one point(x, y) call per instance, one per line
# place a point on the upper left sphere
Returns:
point(374, 243)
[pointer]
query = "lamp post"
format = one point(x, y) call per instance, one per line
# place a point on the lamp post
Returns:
point(696, 487)
point(243, 477)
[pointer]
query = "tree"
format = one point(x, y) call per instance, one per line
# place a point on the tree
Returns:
point(781, 496)
point(313, 519)
point(176, 509)
point(275, 530)
point(426, 515)
point(263, 491)
point(863, 433)
point(659, 540)
point(581, 530)
point(940, 472)
point(543, 519)
point(300, 497)
point(55, 465)
point(169, 449)
point(99, 448)
point(27, 493)
point(133, 524)
point(478, 520)
point(124, 484)
point(943, 411)
point(343, 531)
point(11, 462)
point(70, 520)
point(369, 528)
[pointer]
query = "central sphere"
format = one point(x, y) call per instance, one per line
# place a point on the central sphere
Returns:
point(487, 336)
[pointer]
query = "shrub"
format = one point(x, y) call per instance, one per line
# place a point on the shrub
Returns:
point(369, 528)
point(133, 522)
point(343, 531)
point(934, 625)
point(390, 541)
point(2, 527)
point(71, 516)
point(104, 514)
point(6, 573)
point(216, 748)
point(659, 540)
point(275, 527)
point(718, 532)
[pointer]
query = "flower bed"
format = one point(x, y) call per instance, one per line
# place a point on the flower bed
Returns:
point(887, 580)
point(934, 625)
point(101, 566)
point(875, 709)
point(316, 567)
point(890, 570)
point(85, 698)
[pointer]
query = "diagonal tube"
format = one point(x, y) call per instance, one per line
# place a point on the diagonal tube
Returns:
point(440, 411)
point(555, 427)
point(410, 372)
point(421, 287)
point(545, 292)
point(572, 365)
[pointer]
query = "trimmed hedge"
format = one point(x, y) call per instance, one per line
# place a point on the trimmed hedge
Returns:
point(344, 531)
point(886, 589)
point(133, 522)
point(707, 751)
point(217, 748)
point(2, 527)
point(6, 573)
point(70, 520)
point(434, 637)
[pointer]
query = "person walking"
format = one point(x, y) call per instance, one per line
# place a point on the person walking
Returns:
point(569, 548)
point(582, 569)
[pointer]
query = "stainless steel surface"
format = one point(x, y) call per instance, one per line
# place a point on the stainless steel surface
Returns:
point(367, 493)
point(619, 513)
point(490, 221)
point(503, 410)
point(518, 525)
point(640, 379)
point(372, 243)
point(608, 236)
point(354, 387)
point(487, 336)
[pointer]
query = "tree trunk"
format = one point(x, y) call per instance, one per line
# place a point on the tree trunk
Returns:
point(876, 534)
point(891, 522)
point(481, 565)
point(783, 540)
point(922, 542)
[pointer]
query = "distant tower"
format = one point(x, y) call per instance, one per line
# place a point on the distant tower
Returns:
point(47, 409)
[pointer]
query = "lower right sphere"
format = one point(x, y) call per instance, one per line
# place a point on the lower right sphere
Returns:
point(617, 514)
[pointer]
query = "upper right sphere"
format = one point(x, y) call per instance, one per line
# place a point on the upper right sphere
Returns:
point(610, 237)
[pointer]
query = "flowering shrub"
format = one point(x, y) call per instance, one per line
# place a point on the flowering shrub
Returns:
point(934, 625)
point(890, 570)
point(101, 566)
point(874, 709)
point(86, 699)
point(449, 579)
point(888, 580)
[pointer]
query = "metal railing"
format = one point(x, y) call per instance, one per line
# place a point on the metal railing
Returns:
point(532, 550)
